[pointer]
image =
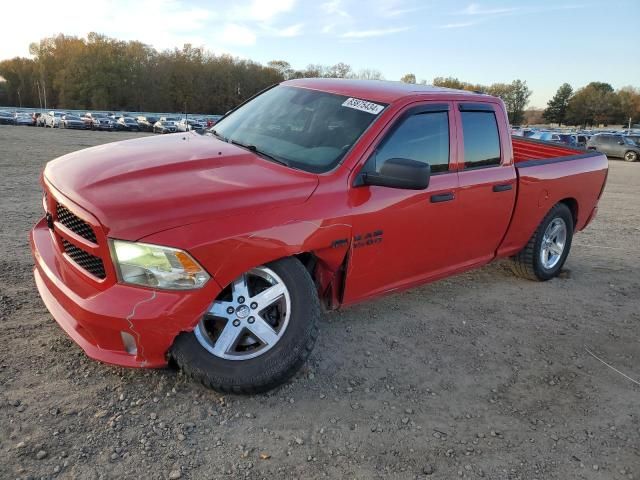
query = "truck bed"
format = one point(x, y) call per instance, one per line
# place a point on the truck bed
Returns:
point(527, 150)
point(547, 174)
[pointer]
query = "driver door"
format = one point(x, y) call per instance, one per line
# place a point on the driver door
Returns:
point(404, 237)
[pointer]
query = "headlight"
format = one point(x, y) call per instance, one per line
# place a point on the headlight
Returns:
point(156, 266)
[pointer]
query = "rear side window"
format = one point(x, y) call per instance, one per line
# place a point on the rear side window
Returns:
point(481, 140)
point(423, 137)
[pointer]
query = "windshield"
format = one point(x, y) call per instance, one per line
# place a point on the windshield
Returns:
point(305, 129)
point(71, 117)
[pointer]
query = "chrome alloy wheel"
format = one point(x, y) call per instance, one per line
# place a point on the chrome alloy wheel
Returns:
point(553, 243)
point(248, 318)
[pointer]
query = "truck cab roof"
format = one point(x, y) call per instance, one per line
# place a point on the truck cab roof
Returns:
point(375, 90)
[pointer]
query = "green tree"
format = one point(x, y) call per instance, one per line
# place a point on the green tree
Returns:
point(282, 67)
point(594, 104)
point(369, 74)
point(448, 82)
point(408, 78)
point(556, 111)
point(340, 70)
point(629, 100)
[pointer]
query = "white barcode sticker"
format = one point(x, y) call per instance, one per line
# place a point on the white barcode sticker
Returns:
point(363, 105)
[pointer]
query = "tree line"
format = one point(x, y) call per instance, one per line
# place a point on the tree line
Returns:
point(103, 73)
point(515, 95)
point(595, 104)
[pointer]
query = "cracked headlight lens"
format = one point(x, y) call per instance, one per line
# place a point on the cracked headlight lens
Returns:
point(156, 266)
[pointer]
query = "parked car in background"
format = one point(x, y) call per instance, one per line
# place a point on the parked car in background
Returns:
point(92, 119)
point(634, 137)
point(52, 120)
point(6, 118)
point(165, 126)
point(37, 119)
point(170, 119)
point(128, 124)
point(556, 137)
point(98, 121)
point(619, 146)
point(546, 136)
point(24, 119)
point(71, 120)
point(146, 122)
point(581, 140)
point(104, 124)
point(188, 124)
point(212, 120)
point(523, 132)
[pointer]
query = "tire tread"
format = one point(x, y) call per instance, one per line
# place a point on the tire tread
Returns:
point(524, 263)
point(187, 362)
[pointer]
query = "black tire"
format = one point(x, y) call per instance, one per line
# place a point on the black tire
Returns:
point(528, 264)
point(273, 367)
point(631, 156)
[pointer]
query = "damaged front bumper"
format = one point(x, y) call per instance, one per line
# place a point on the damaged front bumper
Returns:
point(117, 324)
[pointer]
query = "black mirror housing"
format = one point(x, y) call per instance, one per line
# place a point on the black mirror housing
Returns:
point(399, 173)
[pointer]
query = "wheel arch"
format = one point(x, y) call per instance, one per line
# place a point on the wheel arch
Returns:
point(321, 246)
point(572, 204)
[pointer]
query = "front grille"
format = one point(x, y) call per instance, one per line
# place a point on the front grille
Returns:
point(75, 224)
point(90, 263)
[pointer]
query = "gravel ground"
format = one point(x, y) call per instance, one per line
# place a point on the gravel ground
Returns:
point(481, 375)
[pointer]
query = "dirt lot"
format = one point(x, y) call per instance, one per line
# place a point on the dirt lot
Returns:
point(482, 375)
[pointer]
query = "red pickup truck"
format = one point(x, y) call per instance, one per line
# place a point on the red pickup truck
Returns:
point(220, 251)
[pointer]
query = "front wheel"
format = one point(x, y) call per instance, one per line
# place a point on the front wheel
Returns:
point(547, 250)
point(257, 333)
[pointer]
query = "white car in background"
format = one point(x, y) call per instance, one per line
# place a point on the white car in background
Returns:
point(53, 118)
point(188, 124)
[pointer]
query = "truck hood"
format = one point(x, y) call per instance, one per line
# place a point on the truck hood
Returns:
point(139, 187)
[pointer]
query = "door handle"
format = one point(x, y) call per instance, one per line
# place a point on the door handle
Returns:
point(442, 197)
point(503, 187)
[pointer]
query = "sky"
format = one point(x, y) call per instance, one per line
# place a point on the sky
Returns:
point(545, 42)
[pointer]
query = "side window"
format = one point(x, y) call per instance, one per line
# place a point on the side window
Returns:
point(423, 137)
point(481, 140)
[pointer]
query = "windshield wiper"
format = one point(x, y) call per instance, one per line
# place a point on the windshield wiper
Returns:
point(255, 149)
point(219, 135)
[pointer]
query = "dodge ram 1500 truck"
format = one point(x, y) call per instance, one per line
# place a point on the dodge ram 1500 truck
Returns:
point(219, 252)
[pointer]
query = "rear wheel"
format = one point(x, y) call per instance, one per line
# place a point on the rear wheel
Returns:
point(548, 248)
point(258, 331)
point(631, 156)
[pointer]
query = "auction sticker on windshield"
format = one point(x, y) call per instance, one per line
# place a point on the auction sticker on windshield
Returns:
point(363, 105)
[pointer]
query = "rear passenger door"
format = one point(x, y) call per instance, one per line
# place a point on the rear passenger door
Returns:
point(487, 180)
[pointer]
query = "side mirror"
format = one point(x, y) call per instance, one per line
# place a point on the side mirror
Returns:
point(398, 173)
point(620, 142)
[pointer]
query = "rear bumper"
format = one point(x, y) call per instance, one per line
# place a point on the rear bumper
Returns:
point(96, 318)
